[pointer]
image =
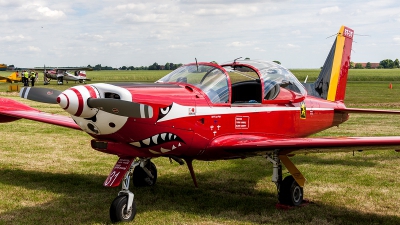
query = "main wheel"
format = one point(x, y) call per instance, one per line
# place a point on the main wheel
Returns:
point(141, 178)
point(290, 192)
point(118, 210)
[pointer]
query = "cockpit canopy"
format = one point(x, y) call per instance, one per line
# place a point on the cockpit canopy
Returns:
point(240, 81)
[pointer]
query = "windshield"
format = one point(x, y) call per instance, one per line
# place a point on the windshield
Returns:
point(211, 80)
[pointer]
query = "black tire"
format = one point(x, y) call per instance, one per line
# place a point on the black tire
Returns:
point(290, 192)
point(140, 177)
point(118, 211)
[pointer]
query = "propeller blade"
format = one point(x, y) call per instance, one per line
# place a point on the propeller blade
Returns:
point(121, 107)
point(45, 95)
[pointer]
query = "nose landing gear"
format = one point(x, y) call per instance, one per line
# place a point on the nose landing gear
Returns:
point(143, 173)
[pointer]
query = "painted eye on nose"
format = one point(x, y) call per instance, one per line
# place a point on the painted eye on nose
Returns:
point(164, 111)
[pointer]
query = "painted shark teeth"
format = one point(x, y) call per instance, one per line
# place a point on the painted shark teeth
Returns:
point(157, 139)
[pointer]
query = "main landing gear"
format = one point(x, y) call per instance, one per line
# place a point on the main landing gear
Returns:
point(143, 173)
point(290, 189)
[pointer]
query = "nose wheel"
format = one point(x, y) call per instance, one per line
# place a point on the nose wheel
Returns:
point(121, 211)
point(143, 173)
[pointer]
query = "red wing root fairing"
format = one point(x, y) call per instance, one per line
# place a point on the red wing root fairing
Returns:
point(206, 111)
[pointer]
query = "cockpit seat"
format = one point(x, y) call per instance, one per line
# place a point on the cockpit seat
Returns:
point(273, 92)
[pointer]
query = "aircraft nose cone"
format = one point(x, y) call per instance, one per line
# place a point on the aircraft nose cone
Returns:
point(74, 101)
point(63, 101)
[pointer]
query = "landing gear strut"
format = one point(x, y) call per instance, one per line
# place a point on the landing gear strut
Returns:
point(289, 191)
point(143, 173)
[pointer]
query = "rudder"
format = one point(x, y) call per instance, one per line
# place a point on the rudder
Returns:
point(332, 80)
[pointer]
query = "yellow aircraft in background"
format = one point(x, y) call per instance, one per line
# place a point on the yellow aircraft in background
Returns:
point(13, 78)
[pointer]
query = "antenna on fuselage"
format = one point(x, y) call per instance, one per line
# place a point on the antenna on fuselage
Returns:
point(197, 65)
point(234, 61)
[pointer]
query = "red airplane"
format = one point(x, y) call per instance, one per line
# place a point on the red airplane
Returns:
point(206, 111)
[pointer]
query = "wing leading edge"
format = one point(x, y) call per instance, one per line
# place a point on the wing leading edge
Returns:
point(11, 110)
point(251, 144)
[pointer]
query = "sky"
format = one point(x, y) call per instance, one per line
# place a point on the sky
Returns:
point(138, 33)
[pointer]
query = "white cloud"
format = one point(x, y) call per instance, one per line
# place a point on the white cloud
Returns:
point(131, 6)
point(45, 11)
point(239, 44)
point(292, 46)
point(329, 10)
point(177, 46)
point(14, 38)
point(91, 37)
point(237, 10)
point(396, 40)
point(259, 49)
point(38, 12)
point(115, 44)
point(33, 49)
point(4, 17)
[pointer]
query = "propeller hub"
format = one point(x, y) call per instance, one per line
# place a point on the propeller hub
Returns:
point(74, 101)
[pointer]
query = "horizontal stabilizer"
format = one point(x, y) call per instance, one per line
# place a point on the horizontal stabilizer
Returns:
point(367, 111)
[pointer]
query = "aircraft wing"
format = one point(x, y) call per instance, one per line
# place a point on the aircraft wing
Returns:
point(12, 110)
point(61, 68)
point(5, 79)
point(256, 145)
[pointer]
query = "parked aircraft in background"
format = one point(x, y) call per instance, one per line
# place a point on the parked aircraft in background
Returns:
point(206, 111)
point(13, 78)
point(65, 74)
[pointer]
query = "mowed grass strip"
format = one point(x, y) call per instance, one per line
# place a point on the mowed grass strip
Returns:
point(50, 175)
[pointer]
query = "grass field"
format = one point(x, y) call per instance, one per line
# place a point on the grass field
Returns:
point(50, 175)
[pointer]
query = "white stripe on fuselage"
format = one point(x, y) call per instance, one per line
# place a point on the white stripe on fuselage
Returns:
point(179, 111)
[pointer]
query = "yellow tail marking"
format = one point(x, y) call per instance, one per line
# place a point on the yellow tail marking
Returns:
point(337, 62)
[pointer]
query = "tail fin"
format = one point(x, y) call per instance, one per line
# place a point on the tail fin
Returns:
point(14, 76)
point(332, 80)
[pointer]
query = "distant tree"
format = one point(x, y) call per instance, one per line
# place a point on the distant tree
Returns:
point(277, 62)
point(123, 68)
point(358, 66)
point(247, 58)
point(351, 65)
point(368, 66)
point(167, 66)
point(387, 63)
point(131, 68)
point(155, 66)
point(172, 66)
point(97, 67)
point(396, 63)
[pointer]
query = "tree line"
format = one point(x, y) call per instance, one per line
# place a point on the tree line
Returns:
point(384, 64)
point(154, 66)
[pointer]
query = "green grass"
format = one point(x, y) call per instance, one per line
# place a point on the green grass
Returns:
point(50, 175)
